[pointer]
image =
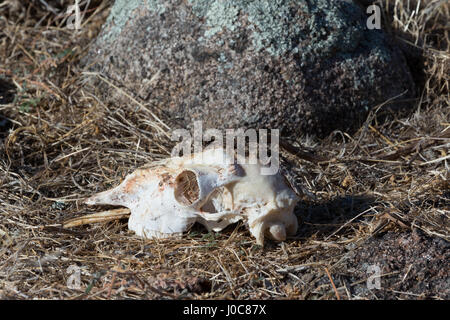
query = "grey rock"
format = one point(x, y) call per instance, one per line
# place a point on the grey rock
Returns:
point(305, 66)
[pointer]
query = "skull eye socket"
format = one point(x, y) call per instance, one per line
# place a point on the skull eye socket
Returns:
point(187, 190)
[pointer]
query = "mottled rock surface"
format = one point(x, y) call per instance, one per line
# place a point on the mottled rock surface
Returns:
point(306, 66)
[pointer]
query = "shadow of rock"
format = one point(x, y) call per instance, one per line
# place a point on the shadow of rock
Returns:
point(322, 219)
point(7, 93)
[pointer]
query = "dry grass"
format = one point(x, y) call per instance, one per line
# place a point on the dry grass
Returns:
point(65, 144)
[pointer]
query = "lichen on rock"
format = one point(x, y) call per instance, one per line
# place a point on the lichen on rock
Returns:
point(123, 11)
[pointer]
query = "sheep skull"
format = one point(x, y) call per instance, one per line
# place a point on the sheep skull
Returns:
point(211, 188)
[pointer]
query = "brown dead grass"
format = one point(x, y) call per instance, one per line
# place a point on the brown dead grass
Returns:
point(66, 144)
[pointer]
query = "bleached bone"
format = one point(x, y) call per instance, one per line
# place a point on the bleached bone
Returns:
point(104, 216)
point(211, 188)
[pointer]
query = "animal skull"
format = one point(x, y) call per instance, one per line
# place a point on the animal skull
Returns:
point(211, 188)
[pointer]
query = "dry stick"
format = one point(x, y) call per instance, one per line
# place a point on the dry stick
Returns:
point(104, 216)
point(111, 285)
point(413, 146)
point(435, 160)
point(348, 222)
point(332, 283)
point(302, 154)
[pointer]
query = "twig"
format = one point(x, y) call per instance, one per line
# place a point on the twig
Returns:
point(435, 160)
point(302, 154)
point(104, 216)
point(332, 283)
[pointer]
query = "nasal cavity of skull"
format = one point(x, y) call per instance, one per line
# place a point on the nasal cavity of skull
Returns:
point(220, 200)
point(186, 188)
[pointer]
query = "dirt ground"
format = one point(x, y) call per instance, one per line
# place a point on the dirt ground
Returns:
point(374, 218)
